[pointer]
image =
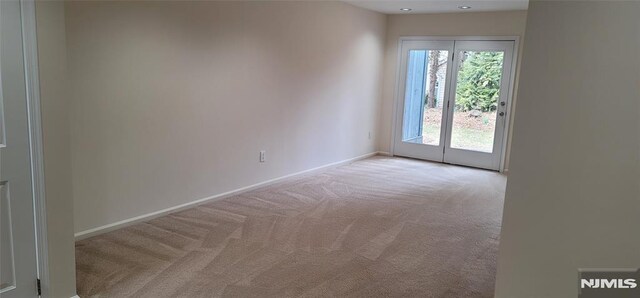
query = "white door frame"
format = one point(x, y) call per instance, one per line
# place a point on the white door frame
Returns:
point(30, 49)
point(399, 94)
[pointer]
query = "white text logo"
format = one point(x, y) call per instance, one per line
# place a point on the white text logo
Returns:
point(594, 283)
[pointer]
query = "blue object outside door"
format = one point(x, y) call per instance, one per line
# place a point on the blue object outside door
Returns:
point(414, 96)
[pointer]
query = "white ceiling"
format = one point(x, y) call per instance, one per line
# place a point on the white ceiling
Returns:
point(439, 6)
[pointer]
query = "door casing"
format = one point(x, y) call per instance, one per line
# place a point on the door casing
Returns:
point(30, 48)
point(399, 94)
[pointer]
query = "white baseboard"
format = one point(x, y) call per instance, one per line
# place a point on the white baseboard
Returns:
point(384, 153)
point(123, 223)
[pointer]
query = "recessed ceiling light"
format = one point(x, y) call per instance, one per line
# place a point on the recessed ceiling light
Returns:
point(405, 9)
point(464, 7)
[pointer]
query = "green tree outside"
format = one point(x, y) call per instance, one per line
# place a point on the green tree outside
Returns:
point(479, 81)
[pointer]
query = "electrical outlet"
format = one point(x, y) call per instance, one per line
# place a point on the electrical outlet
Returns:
point(263, 156)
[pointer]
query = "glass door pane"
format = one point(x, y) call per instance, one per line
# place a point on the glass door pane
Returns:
point(424, 96)
point(476, 100)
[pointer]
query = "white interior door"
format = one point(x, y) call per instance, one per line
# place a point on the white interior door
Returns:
point(424, 90)
point(479, 99)
point(453, 99)
point(18, 265)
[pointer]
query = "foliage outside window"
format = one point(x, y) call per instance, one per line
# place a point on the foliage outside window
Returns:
point(479, 81)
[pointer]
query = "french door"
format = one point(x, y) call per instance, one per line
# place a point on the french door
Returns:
point(453, 100)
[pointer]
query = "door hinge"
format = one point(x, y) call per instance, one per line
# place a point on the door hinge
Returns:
point(452, 55)
point(39, 287)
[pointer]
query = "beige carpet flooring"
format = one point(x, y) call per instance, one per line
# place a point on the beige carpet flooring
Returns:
point(380, 227)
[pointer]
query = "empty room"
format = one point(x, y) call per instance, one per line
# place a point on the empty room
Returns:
point(356, 148)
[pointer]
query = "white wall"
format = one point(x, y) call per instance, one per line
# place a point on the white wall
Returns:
point(573, 194)
point(172, 101)
point(509, 23)
point(54, 102)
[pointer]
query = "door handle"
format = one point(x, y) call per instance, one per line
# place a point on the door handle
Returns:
point(501, 114)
